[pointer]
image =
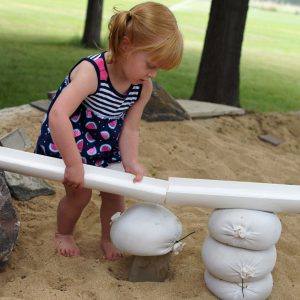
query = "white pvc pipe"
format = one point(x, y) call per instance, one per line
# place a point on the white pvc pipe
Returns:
point(175, 191)
point(111, 181)
point(234, 194)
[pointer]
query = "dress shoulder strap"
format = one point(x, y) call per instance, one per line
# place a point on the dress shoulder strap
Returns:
point(101, 66)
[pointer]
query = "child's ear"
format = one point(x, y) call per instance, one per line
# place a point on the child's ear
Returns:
point(125, 45)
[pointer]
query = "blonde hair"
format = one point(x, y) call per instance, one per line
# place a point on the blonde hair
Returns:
point(150, 27)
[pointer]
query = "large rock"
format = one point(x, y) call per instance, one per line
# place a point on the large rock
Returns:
point(201, 109)
point(24, 188)
point(149, 268)
point(163, 107)
point(16, 139)
point(9, 223)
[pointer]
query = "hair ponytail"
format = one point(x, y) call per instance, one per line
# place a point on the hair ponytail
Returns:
point(117, 30)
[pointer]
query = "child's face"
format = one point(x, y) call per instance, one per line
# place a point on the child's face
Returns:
point(138, 67)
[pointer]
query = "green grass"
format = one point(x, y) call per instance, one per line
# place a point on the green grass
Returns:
point(270, 66)
point(40, 41)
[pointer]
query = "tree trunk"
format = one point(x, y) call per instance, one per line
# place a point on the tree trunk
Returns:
point(218, 76)
point(92, 29)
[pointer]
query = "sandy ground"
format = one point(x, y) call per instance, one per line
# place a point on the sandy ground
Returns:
point(224, 148)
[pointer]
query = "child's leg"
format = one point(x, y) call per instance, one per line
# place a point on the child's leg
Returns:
point(111, 204)
point(68, 212)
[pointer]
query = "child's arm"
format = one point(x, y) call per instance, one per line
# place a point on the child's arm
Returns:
point(129, 139)
point(83, 83)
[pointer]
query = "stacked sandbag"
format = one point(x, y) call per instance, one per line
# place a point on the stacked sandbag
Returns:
point(239, 254)
point(146, 229)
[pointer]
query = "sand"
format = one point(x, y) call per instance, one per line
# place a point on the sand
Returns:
point(224, 148)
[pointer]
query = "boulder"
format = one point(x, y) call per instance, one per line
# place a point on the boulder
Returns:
point(42, 104)
point(24, 188)
point(9, 223)
point(16, 139)
point(163, 107)
point(149, 268)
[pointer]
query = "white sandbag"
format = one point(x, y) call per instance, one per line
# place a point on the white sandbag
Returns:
point(245, 228)
point(256, 290)
point(146, 230)
point(236, 264)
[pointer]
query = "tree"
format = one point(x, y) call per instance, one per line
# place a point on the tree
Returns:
point(91, 37)
point(218, 76)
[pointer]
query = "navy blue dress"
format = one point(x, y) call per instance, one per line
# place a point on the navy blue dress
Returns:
point(97, 122)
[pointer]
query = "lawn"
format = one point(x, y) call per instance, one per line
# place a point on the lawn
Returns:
point(40, 41)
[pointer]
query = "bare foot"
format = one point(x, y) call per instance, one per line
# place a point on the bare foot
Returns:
point(110, 251)
point(65, 245)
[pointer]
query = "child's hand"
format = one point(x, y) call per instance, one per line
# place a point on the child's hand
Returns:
point(74, 176)
point(136, 170)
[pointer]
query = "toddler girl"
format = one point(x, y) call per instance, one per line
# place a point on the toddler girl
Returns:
point(95, 115)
